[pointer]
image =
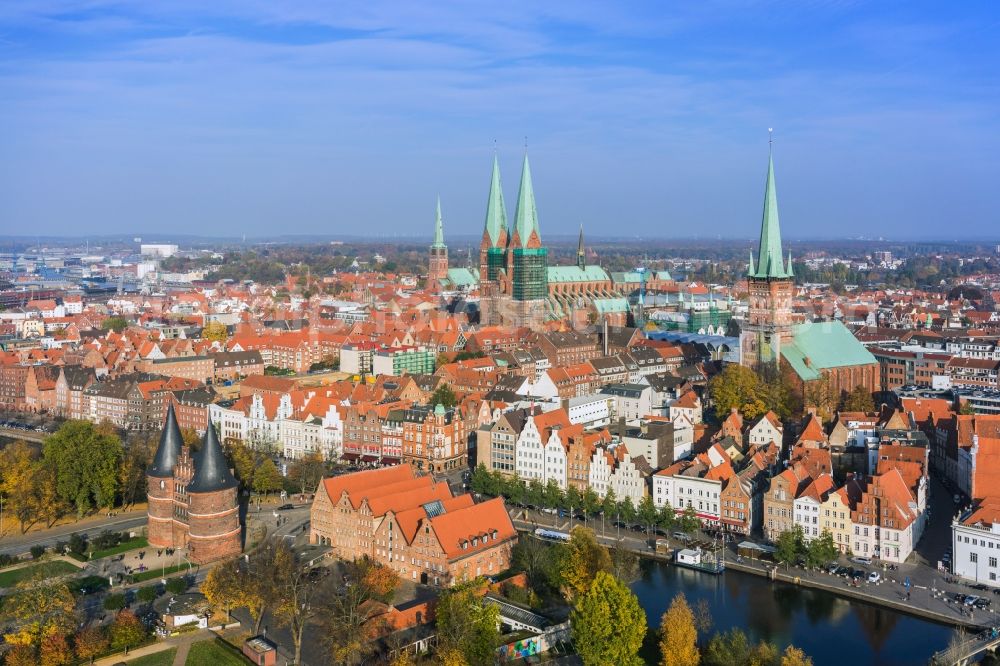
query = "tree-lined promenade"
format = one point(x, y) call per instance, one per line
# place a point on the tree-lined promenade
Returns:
point(83, 469)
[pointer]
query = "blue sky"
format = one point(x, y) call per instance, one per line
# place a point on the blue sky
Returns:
point(646, 119)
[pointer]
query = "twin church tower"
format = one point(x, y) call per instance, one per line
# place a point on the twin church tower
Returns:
point(514, 276)
point(513, 267)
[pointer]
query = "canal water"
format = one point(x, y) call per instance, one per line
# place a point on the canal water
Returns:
point(831, 629)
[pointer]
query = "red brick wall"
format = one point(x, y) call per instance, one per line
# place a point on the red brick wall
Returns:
point(214, 526)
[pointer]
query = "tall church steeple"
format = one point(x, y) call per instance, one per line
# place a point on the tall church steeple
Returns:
point(437, 265)
point(768, 324)
point(526, 217)
point(496, 212)
point(581, 253)
point(770, 260)
point(438, 227)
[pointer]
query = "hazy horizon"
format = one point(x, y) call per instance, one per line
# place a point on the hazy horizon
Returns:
point(176, 118)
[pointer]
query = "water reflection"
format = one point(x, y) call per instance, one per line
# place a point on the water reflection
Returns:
point(830, 629)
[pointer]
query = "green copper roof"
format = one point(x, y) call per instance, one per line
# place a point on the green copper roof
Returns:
point(526, 218)
point(496, 212)
point(438, 228)
point(608, 305)
point(827, 344)
point(591, 273)
point(463, 277)
point(770, 262)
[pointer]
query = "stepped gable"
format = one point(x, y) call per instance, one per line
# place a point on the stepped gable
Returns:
point(211, 469)
point(169, 450)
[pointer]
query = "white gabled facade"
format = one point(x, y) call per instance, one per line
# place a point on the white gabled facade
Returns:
point(555, 460)
point(601, 466)
point(627, 481)
point(805, 514)
point(529, 453)
point(308, 435)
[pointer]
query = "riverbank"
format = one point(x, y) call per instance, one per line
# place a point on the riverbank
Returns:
point(930, 597)
point(841, 589)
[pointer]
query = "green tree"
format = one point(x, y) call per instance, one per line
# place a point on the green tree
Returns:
point(535, 495)
point(467, 625)
point(738, 387)
point(647, 512)
point(666, 519)
point(608, 624)
point(243, 460)
point(267, 478)
point(609, 506)
point(116, 324)
point(822, 550)
point(734, 648)
point(789, 545)
point(308, 471)
point(590, 501)
point(689, 521)
point(679, 635)
point(858, 400)
point(627, 511)
point(484, 482)
point(148, 594)
point(444, 396)
point(85, 463)
point(585, 558)
point(572, 500)
point(114, 601)
point(552, 497)
point(126, 631)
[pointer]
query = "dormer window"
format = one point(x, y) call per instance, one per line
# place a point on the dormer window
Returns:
point(475, 541)
point(465, 545)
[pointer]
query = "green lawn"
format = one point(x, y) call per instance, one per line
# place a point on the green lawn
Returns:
point(150, 574)
point(215, 653)
point(10, 578)
point(165, 658)
point(124, 546)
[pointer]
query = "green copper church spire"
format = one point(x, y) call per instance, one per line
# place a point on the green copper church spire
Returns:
point(770, 262)
point(438, 228)
point(526, 218)
point(496, 212)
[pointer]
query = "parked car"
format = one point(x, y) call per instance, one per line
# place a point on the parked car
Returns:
point(682, 536)
point(874, 577)
point(832, 568)
point(982, 603)
point(844, 571)
point(971, 599)
point(286, 507)
point(861, 560)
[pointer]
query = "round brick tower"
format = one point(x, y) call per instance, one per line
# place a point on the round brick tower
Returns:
point(161, 484)
point(214, 530)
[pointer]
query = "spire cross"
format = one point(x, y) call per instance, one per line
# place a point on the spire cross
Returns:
point(770, 138)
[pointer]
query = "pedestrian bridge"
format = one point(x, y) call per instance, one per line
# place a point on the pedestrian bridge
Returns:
point(518, 617)
point(963, 653)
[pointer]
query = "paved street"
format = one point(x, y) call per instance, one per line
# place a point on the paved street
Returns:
point(22, 543)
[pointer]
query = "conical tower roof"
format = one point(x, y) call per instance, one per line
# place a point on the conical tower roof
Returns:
point(438, 228)
point(770, 262)
point(526, 218)
point(211, 469)
point(169, 449)
point(496, 211)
